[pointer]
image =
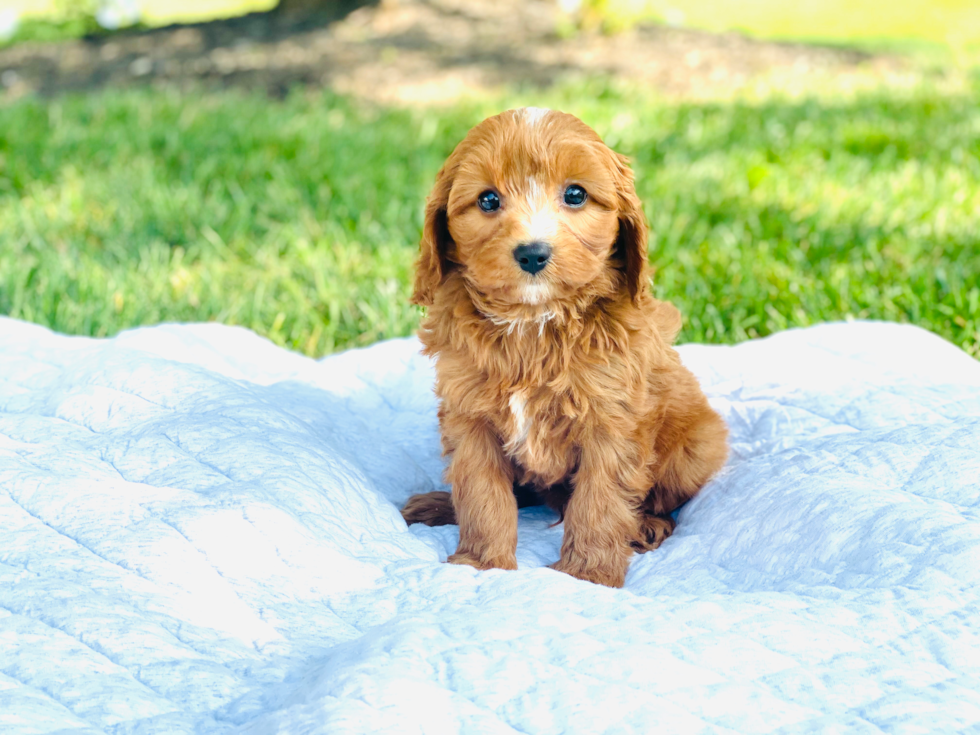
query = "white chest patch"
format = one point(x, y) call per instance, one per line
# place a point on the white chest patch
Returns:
point(518, 409)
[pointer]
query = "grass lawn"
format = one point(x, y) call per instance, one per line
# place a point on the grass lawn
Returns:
point(300, 219)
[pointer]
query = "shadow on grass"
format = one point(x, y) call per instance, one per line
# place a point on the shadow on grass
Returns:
point(270, 51)
point(413, 51)
point(176, 53)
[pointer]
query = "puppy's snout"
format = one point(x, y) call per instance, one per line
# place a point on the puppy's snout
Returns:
point(533, 256)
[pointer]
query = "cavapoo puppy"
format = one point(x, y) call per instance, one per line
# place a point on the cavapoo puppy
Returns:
point(554, 366)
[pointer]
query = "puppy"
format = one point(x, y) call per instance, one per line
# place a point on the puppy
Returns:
point(554, 368)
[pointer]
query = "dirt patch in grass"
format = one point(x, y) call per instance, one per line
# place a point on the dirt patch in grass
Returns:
point(429, 51)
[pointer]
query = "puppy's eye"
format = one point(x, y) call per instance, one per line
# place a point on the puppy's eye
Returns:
point(575, 196)
point(488, 201)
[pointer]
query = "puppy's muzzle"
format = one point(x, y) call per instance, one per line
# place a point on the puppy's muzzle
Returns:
point(533, 256)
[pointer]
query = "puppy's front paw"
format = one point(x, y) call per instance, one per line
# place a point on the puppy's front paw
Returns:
point(610, 574)
point(498, 562)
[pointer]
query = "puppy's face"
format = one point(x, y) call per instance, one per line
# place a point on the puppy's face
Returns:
point(534, 208)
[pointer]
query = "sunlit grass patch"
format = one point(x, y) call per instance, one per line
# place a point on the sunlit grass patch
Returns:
point(953, 24)
point(300, 219)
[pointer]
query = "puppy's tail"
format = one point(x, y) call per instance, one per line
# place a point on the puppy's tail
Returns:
point(432, 509)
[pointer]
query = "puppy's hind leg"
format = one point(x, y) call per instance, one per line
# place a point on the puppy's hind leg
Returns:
point(689, 453)
point(691, 447)
point(654, 530)
point(432, 509)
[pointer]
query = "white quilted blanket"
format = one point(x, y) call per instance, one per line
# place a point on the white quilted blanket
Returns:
point(199, 532)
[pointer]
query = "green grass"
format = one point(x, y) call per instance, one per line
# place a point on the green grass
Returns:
point(300, 219)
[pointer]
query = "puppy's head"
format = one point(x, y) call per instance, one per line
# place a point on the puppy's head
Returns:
point(533, 208)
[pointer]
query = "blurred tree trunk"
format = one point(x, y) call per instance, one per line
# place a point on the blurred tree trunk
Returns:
point(306, 7)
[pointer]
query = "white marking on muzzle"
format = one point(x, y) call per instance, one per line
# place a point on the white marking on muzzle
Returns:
point(540, 225)
point(535, 293)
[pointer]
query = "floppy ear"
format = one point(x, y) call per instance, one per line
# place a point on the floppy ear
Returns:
point(433, 264)
point(631, 242)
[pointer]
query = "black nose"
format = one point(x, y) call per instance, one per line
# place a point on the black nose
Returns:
point(532, 257)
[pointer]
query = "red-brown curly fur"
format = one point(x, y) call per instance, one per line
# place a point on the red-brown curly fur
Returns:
point(564, 382)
